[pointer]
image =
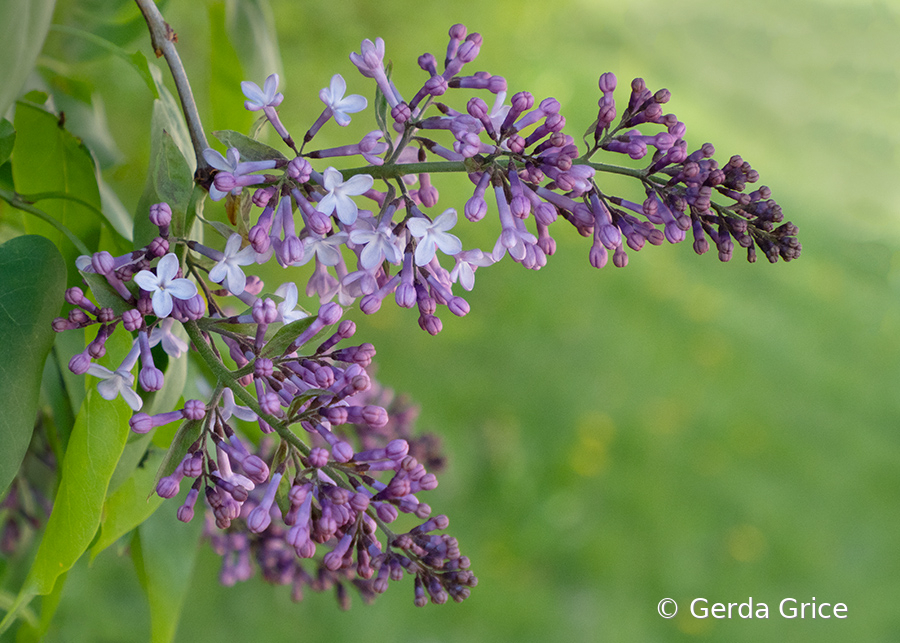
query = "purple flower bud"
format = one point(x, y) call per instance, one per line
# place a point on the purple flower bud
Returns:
point(342, 452)
point(141, 423)
point(160, 214)
point(186, 511)
point(167, 487)
point(255, 468)
point(151, 378)
point(61, 323)
point(193, 467)
point(318, 457)
point(103, 262)
point(132, 319)
point(80, 363)
point(194, 410)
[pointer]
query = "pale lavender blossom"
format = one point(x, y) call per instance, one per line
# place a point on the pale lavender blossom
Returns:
point(434, 235)
point(379, 243)
point(227, 270)
point(467, 262)
point(163, 285)
point(287, 308)
point(339, 192)
point(325, 249)
point(341, 106)
point(119, 382)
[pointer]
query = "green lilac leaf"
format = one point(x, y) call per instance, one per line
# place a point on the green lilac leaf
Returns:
point(7, 139)
point(132, 503)
point(47, 158)
point(285, 336)
point(164, 550)
point(32, 281)
point(250, 148)
point(23, 27)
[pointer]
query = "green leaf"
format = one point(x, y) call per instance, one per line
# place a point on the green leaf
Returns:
point(171, 167)
point(48, 159)
point(97, 441)
point(132, 503)
point(250, 148)
point(252, 32)
point(164, 551)
point(285, 336)
point(106, 295)
point(23, 27)
point(7, 139)
point(32, 281)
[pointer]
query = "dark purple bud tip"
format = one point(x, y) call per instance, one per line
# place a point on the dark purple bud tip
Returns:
point(74, 296)
point(401, 113)
point(159, 247)
point(607, 82)
point(132, 319)
point(105, 315)
point(342, 452)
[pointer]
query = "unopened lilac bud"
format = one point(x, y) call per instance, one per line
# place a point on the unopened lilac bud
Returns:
point(103, 262)
point(255, 468)
point(80, 363)
point(78, 317)
point(259, 239)
point(401, 113)
point(61, 323)
point(405, 295)
point(299, 169)
point(430, 324)
point(318, 458)
point(160, 214)
point(194, 410)
point(330, 313)
point(386, 512)
point(607, 82)
point(264, 311)
point(141, 423)
point(375, 416)
point(458, 306)
point(186, 511)
point(167, 487)
point(262, 196)
point(270, 403)
point(342, 452)
point(132, 319)
point(263, 367)
point(159, 247)
point(193, 308)
point(151, 378)
point(193, 467)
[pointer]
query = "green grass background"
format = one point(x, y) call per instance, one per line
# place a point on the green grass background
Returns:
point(678, 428)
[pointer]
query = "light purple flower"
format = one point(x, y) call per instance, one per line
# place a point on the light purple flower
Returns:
point(287, 308)
point(173, 345)
point(257, 98)
point(339, 193)
point(432, 235)
point(164, 286)
point(466, 264)
point(119, 382)
point(228, 270)
point(325, 249)
point(341, 106)
point(230, 407)
point(380, 244)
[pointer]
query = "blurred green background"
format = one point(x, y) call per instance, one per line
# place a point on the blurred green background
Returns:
point(679, 428)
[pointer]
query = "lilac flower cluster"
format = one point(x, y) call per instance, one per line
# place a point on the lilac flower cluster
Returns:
point(521, 163)
point(335, 461)
point(343, 469)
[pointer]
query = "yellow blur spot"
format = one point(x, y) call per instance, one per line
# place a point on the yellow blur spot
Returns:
point(590, 453)
point(746, 543)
